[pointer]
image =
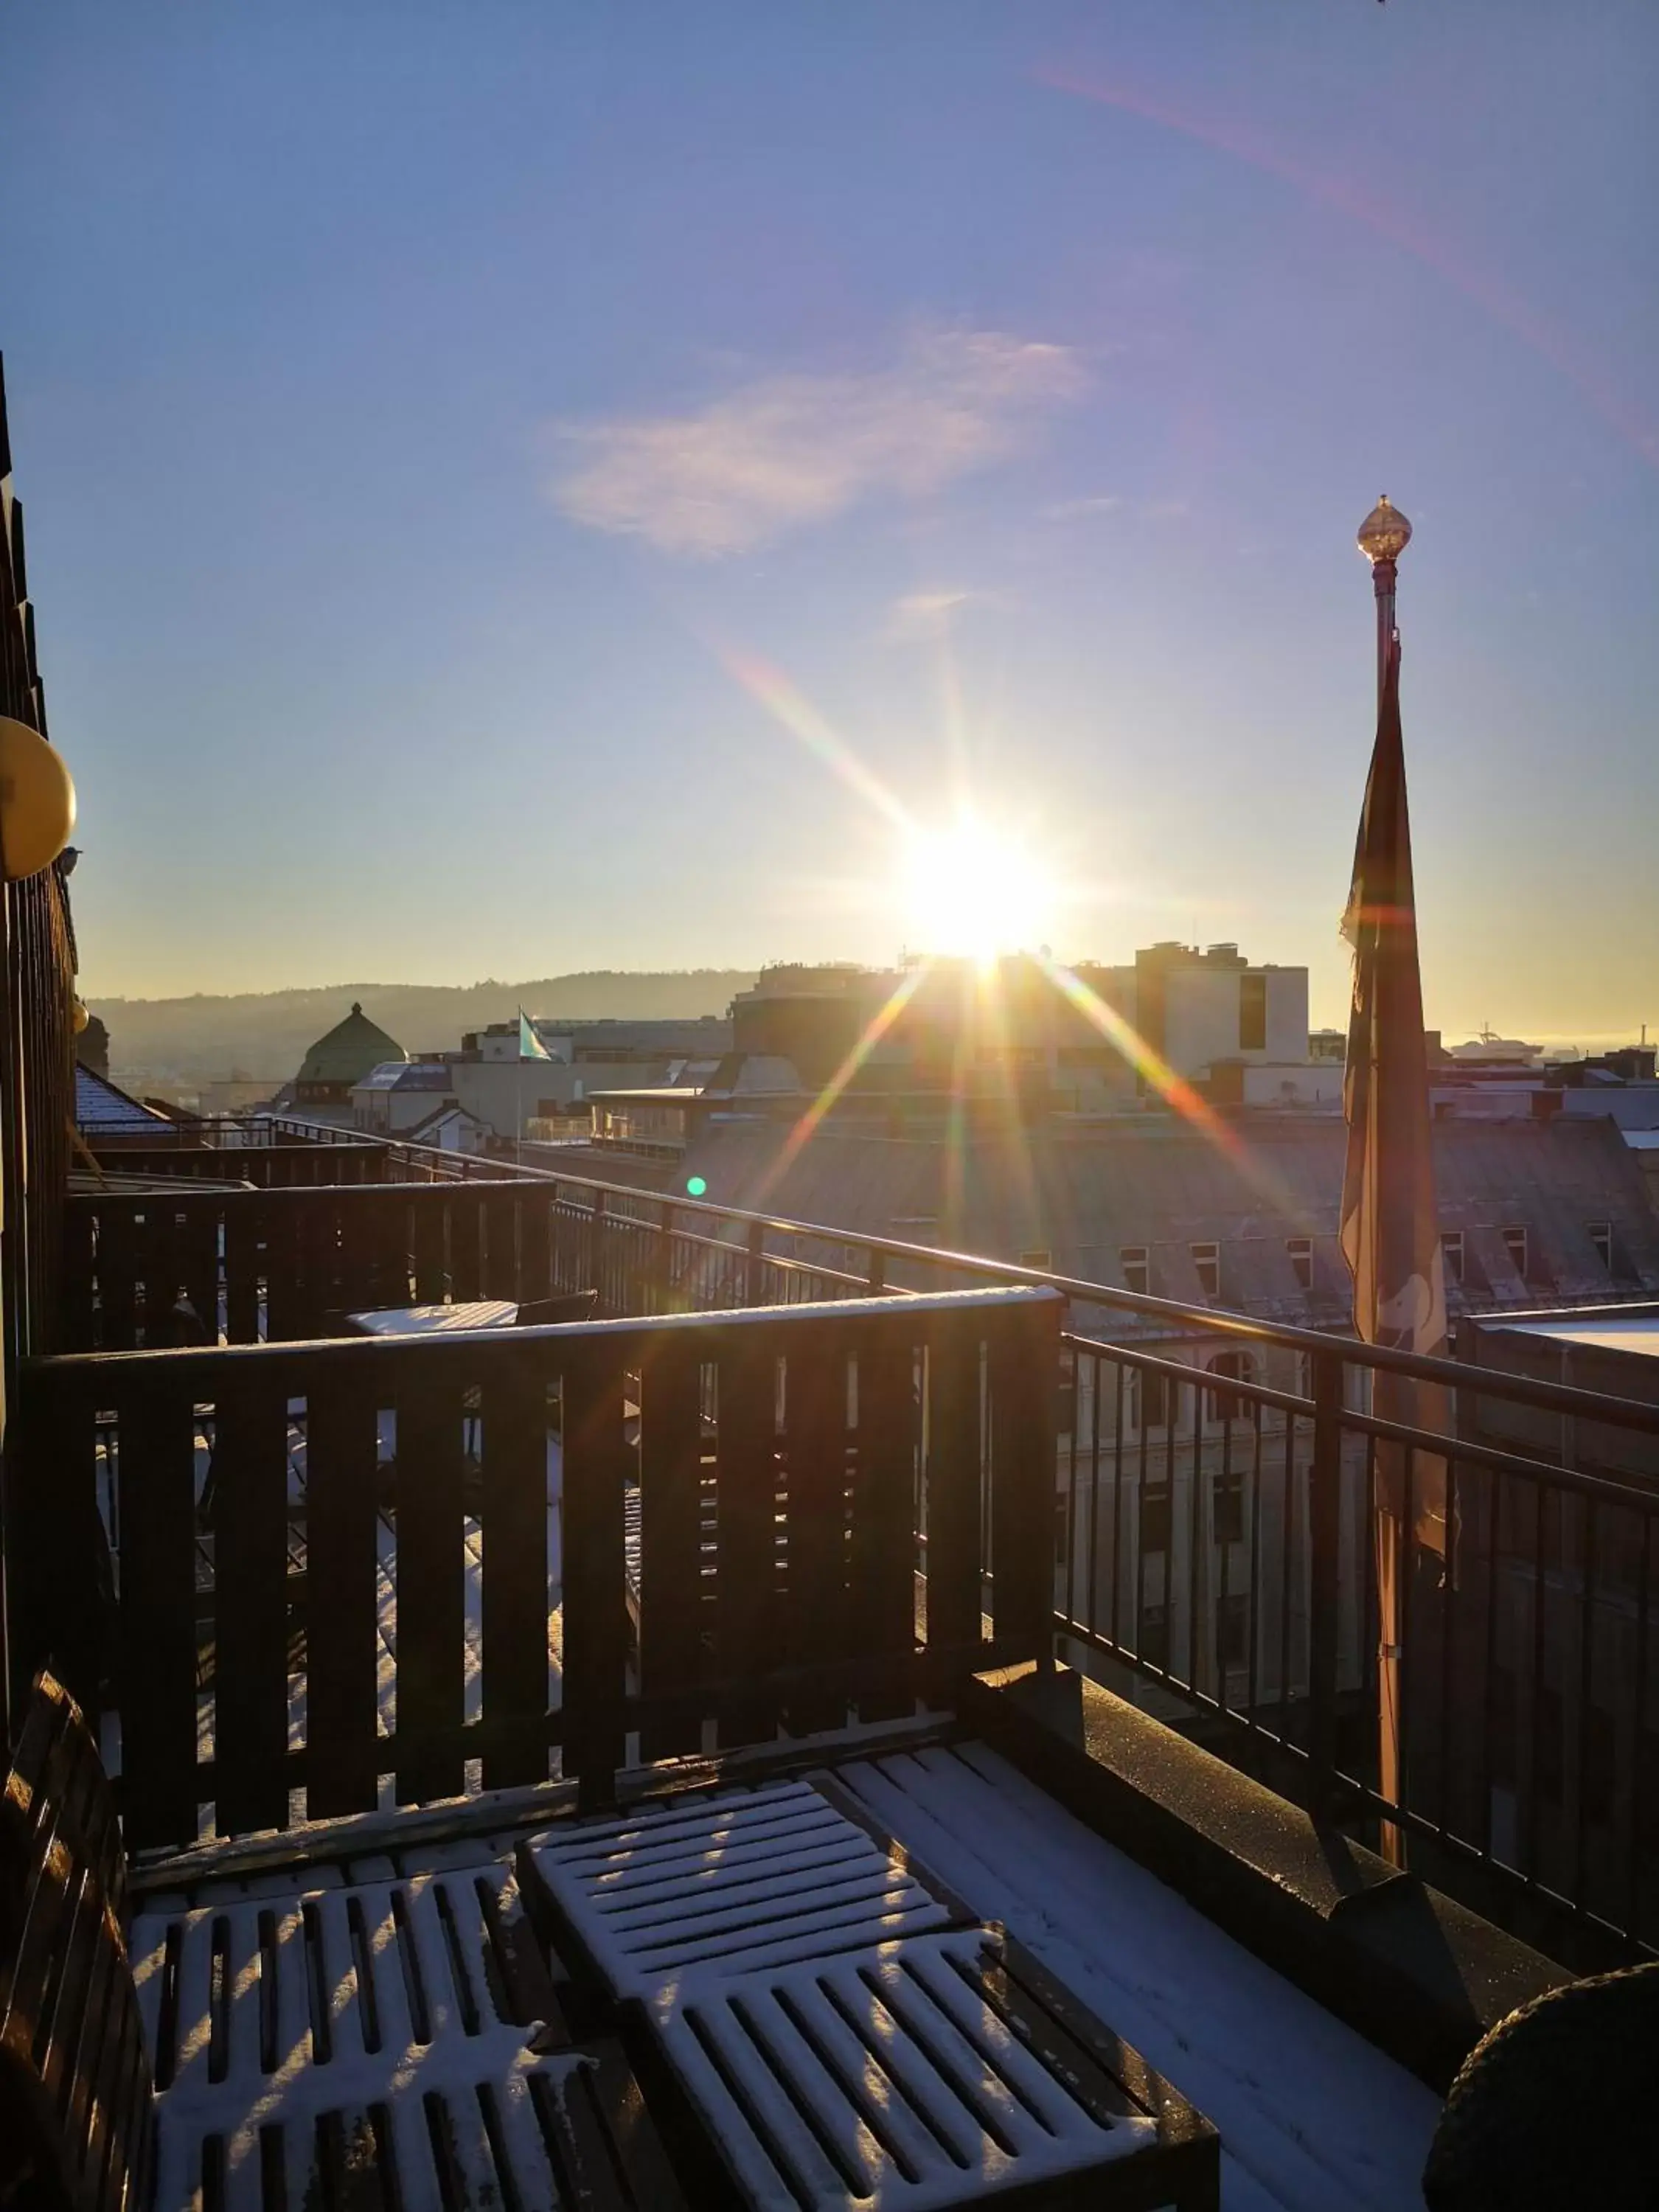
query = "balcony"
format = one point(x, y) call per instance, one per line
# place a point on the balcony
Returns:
point(1209, 1533)
point(1077, 1631)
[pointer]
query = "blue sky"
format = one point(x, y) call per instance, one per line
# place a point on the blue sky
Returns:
point(430, 420)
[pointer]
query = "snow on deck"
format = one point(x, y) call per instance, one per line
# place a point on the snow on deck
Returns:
point(1313, 2118)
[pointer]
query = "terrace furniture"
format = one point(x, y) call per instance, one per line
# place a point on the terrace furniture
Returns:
point(291, 2042)
point(475, 1313)
point(432, 1320)
point(842, 2027)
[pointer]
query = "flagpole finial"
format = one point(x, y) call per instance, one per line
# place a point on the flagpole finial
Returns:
point(1385, 533)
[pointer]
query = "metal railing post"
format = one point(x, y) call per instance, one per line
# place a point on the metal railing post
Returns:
point(754, 1265)
point(876, 1273)
point(1324, 1554)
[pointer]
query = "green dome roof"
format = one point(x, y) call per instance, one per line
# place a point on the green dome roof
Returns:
point(349, 1050)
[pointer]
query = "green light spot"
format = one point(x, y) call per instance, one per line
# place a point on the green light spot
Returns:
point(695, 1186)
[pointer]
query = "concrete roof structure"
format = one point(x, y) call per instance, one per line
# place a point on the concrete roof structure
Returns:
point(1157, 1182)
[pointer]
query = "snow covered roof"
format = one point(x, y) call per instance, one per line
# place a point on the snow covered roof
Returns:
point(102, 1108)
point(406, 1075)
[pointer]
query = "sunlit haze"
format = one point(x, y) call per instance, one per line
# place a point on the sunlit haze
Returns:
point(513, 490)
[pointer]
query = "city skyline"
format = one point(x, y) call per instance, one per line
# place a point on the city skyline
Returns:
point(580, 550)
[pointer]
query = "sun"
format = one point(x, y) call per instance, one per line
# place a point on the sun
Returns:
point(972, 891)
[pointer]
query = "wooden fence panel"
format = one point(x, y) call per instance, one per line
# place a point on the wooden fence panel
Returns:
point(595, 1455)
point(882, 1580)
point(514, 1428)
point(156, 1431)
point(747, 1621)
point(431, 1616)
point(342, 1589)
point(816, 1490)
point(249, 1522)
point(954, 1471)
point(672, 1608)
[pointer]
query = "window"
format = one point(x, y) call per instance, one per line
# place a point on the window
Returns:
point(1137, 1274)
point(1155, 1635)
point(1252, 1013)
point(1601, 1236)
point(1146, 1399)
point(1515, 1243)
point(1228, 1405)
point(1300, 1252)
point(1154, 1517)
point(1040, 1257)
point(1451, 1252)
point(1207, 1258)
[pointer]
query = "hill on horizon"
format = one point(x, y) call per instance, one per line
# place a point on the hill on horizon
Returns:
point(266, 1033)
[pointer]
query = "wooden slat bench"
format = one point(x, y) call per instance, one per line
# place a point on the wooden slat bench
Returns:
point(263, 2048)
point(840, 2028)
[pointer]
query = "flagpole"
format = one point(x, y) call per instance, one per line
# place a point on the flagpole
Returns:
point(1383, 536)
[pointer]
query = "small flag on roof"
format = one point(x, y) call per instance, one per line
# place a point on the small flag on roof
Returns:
point(530, 1045)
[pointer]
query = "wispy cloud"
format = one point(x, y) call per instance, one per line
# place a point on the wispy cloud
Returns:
point(784, 452)
point(1076, 510)
point(921, 616)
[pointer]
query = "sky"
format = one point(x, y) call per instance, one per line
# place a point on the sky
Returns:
point(516, 488)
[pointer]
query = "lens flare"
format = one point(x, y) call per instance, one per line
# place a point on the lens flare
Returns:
point(970, 890)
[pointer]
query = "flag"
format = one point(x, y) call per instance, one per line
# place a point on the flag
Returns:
point(530, 1045)
point(1390, 1230)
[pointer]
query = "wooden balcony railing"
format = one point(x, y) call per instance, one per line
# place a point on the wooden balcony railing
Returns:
point(281, 1265)
point(269, 1167)
point(353, 1568)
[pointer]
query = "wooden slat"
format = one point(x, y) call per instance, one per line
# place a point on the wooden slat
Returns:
point(747, 1624)
point(501, 1253)
point(431, 1265)
point(671, 1561)
point(953, 1486)
point(465, 1279)
point(595, 1604)
point(816, 1402)
point(285, 1290)
point(393, 1264)
point(1024, 1379)
point(118, 1273)
point(341, 1642)
point(882, 1607)
point(158, 1615)
point(535, 1245)
point(311, 1261)
point(78, 1219)
point(359, 1226)
point(250, 1606)
point(156, 1266)
point(51, 1524)
point(199, 1259)
point(515, 1593)
point(431, 1619)
point(241, 1222)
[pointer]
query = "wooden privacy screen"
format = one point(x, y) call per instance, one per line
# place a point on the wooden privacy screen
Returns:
point(356, 1567)
point(281, 1265)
